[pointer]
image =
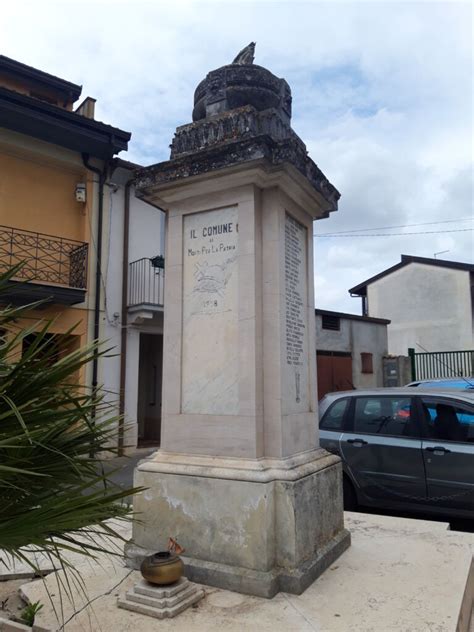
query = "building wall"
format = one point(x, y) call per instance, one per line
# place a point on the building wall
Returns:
point(37, 187)
point(429, 307)
point(356, 337)
point(146, 236)
point(368, 338)
point(37, 193)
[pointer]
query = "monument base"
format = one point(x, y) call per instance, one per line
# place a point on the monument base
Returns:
point(161, 602)
point(253, 526)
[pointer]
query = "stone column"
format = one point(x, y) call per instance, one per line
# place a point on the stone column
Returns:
point(240, 479)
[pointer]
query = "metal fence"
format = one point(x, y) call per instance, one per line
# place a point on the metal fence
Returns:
point(441, 364)
point(146, 282)
point(46, 258)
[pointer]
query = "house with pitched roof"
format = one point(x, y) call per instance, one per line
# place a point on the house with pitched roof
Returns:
point(429, 303)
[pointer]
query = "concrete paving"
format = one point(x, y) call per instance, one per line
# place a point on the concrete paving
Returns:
point(121, 468)
point(399, 575)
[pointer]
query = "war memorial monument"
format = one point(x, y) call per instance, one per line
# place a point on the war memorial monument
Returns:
point(240, 480)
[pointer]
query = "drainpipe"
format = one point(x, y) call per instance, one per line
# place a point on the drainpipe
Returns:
point(123, 333)
point(95, 360)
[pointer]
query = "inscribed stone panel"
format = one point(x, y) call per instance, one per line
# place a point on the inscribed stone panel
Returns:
point(210, 313)
point(296, 340)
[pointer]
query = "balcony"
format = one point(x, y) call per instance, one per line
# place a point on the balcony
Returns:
point(54, 268)
point(146, 287)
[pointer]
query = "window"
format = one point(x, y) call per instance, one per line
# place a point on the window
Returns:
point(334, 416)
point(51, 348)
point(366, 360)
point(385, 416)
point(448, 421)
point(331, 322)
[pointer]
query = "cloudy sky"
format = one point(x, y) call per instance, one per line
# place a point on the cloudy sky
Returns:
point(382, 96)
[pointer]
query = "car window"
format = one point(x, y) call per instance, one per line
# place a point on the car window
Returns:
point(334, 416)
point(448, 421)
point(385, 416)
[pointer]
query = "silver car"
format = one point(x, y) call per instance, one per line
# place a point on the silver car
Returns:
point(403, 448)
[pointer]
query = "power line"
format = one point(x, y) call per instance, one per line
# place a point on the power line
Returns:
point(425, 232)
point(357, 230)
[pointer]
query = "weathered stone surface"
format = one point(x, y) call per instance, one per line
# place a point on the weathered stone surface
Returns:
point(18, 569)
point(241, 113)
point(253, 537)
point(225, 142)
point(235, 85)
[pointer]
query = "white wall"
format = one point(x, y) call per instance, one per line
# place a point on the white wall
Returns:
point(429, 306)
point(146, 239)
point(147, 230)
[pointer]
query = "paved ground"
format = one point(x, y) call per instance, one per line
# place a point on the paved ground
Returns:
point(392, 579)
point(121, 468)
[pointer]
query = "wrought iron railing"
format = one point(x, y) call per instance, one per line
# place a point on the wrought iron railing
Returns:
point(146, 282)
point(46, 258)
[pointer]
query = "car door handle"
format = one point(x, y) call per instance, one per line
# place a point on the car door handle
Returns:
point(357, 442)
point(438, 449)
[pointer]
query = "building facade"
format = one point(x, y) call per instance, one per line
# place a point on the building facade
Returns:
point(429, 303)
point(133, 309)
point(90, 249)
point(349, 351)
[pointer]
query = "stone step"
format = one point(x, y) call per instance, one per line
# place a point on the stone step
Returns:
point(161, 613)
point(160, 602)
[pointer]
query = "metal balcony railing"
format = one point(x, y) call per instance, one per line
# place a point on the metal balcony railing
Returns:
point(46, 258)
point(146, 282)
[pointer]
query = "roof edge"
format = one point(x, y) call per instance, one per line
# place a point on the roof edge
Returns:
point(368, 319)
point(361, 288)
point(15, 67)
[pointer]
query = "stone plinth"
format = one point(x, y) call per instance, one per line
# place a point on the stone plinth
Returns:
point(240, 479)
point(161, 602)
point(256, 527)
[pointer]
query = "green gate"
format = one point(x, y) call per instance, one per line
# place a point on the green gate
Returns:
point(441, 364)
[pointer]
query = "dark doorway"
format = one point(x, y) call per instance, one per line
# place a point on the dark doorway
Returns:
point(149, 389)
point(334, 372)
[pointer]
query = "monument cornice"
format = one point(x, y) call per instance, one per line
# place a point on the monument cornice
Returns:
point(255, 159)
point(263, 470)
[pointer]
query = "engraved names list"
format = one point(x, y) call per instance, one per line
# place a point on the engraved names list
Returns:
point(296, 301)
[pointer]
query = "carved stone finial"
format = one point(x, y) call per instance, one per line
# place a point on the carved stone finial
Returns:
point(246, 55)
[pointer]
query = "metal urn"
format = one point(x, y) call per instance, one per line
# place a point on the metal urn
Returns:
point(162, 568)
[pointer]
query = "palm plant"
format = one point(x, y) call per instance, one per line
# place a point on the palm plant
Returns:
point(54, 496)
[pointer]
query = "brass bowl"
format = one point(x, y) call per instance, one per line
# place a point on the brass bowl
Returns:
point(162, 568)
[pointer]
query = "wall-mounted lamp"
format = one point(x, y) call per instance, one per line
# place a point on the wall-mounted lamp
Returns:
point(81, 192)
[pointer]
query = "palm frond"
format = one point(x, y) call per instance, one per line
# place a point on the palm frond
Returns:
point(54, 496)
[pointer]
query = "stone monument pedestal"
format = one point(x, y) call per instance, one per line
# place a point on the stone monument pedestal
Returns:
point(240, 479)
point(257, 527)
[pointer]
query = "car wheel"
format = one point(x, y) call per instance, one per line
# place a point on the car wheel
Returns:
point(350, 497)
